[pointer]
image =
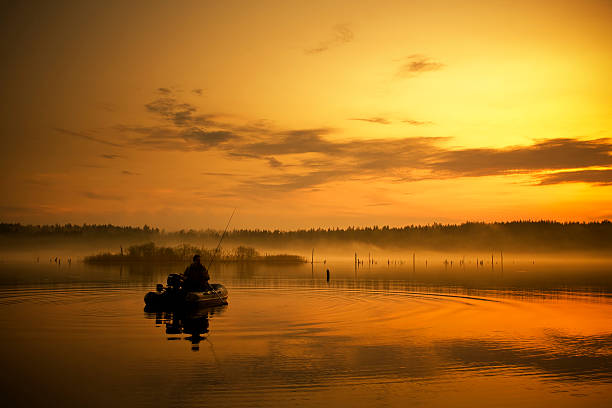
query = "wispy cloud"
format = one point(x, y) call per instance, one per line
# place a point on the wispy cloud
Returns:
point(551, 154)
point(291, 182)
point(273, 162)
point(417, 64)
point(381, 121)
point(289, 142)
point(341, 34)
point(219, 174)
point(98, 196)
point(308, 158)
point(174, 137)
point(417, 122)
point(179, 113)
point(598, 176)
point(92, 166)
point(130, 173)
point(83, 135)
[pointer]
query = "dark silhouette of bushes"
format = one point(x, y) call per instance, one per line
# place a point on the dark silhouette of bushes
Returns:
point(149, 252)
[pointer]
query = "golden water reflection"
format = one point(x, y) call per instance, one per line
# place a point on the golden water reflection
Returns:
point(295, 339)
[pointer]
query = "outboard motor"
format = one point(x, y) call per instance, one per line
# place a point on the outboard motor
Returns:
point(174, 281)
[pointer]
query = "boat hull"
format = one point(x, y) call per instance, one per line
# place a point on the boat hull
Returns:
point(180, 299)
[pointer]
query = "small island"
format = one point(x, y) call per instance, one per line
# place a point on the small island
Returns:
point(151, 253)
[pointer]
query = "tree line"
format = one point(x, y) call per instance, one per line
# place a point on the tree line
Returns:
point(513, 235)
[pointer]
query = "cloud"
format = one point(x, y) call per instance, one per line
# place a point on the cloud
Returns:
point(182, 114)
point(93, 166)
point(97, 196)
point(130, 173)
point(341, 34)
point(384, 121)
point(317, 156)
point(274, 163)
point(164, 91)
point(198, 91)
point(599, 177)
point(417, 122)
point(291, 142)
point(416, 64)
point(551, 154)
point(110, 156)
point(207, 139)
point(341, 160)
point(378, 120)
point(85, 136)
point(291, 182)
point(416, 159)
point(178, 113)
point(192, 138)
point(218, 174)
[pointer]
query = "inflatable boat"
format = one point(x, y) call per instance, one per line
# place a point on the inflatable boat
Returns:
point(173, 296)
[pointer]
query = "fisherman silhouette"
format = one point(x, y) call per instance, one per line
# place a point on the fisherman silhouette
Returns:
point(196, 276)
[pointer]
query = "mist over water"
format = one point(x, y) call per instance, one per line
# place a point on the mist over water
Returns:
point(392, 334)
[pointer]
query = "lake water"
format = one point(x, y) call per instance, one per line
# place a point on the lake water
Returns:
point(381, 335)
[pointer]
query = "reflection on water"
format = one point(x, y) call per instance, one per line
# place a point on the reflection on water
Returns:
point(375, 336)
point(193, 324)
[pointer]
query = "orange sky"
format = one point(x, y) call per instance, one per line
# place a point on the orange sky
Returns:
point(305, 114)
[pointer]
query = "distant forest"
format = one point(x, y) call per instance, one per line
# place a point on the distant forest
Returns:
point(517, 235)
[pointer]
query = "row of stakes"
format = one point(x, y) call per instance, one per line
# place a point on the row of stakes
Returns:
point(57, 260)
point(372, 261)
point(479, 262)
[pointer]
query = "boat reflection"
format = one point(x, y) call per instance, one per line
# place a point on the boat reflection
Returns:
point(192, 326)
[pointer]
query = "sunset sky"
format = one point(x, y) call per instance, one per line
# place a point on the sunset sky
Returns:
point(305, 114)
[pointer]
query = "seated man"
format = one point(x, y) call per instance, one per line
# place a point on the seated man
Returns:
point(196, 276)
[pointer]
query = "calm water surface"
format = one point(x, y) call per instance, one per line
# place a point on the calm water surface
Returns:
point(378, 336)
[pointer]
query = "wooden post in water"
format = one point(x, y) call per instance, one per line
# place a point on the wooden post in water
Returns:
point(328, 275)
point(491, 261)
point(312, 257)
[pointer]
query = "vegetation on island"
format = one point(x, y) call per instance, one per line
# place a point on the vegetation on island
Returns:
point(149, 252)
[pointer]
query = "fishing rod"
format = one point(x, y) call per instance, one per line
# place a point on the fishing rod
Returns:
point(217, 250)
point(221, 240)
